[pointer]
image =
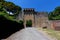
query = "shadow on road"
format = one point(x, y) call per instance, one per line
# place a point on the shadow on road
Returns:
point(8, 27)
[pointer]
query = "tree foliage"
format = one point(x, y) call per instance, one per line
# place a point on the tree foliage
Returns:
point(2, 0)
point(10, 7)
point(55, 14)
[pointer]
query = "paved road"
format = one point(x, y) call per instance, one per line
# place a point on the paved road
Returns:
point(28, 34)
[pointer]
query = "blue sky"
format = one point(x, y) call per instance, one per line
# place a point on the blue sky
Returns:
point(39, 5)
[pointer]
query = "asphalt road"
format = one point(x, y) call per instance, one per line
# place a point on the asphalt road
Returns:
point(28, 34)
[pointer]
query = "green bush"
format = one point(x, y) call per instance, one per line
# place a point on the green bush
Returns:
point(29, 23)
point(21, 22)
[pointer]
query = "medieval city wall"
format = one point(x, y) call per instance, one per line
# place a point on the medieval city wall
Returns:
point(39, 19)
point(29, 17)
point(55, 24)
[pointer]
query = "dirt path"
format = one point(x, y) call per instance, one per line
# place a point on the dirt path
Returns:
point(28, 34)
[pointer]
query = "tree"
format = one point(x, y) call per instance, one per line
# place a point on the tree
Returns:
point(11, 7)
point(1, 8)
point(50, 15)
point(17, 10)
point(2, 0)
point(55, 14)
point(57, 10)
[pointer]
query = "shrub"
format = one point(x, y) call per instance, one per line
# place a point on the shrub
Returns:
point(8, 27)
point(29, 23)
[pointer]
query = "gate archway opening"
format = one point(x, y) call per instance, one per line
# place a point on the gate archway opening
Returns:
point(28, 23)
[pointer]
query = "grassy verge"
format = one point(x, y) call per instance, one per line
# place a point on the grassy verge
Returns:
point(52, 33)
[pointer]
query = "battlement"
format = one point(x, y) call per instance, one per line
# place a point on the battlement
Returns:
point(28, 9)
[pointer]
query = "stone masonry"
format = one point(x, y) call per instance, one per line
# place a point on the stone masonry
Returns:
point(39, 19)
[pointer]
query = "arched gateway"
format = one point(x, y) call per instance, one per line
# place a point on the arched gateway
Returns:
point(39, 19)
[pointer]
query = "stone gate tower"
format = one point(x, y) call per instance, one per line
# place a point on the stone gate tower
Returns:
point(28, 15)
point(39, 19)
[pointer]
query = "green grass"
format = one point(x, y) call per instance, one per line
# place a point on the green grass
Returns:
point(7, 16)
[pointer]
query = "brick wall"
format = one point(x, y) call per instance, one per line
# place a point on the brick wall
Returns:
point(55, 24)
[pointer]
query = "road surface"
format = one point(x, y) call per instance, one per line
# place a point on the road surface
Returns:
point(29, 34)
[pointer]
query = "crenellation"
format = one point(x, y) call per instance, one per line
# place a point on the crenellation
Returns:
point(36, 17)
point(39, 19)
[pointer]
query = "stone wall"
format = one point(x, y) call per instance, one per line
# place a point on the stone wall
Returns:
point(29, 17)
point(39, 19)
point(55, 24)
